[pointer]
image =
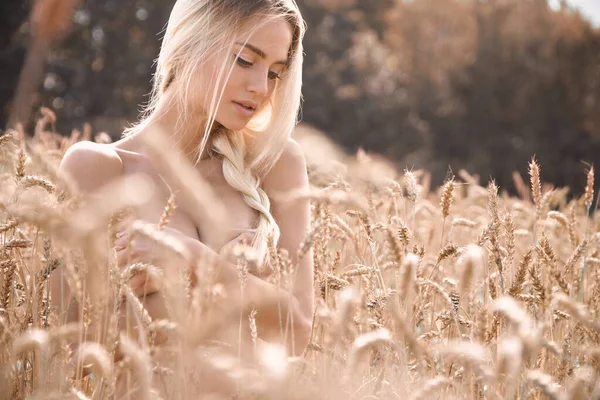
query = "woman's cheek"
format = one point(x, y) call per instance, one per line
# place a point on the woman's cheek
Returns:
point(198, 94)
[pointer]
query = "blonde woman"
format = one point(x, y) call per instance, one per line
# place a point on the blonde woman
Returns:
point(227, 90)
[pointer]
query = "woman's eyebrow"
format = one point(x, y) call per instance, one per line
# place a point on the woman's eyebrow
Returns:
point(259, 52)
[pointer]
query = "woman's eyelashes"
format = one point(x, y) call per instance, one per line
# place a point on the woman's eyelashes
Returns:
point(243, 63)
point(274, 75)
point(247, 64)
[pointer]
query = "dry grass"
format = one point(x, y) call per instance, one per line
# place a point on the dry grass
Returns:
point(501, 302)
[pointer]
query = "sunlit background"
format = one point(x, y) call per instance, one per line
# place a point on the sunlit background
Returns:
point(448, 263)
point(440, 85)
point(589, 8)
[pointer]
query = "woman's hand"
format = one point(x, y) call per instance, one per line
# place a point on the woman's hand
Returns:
point(134, 251)
point(240, 247)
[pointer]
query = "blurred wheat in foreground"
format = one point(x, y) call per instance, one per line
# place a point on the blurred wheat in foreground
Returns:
point(462, 292)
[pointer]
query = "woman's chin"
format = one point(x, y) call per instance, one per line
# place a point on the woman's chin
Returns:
point(234, 124)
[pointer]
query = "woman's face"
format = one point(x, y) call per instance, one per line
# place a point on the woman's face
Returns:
point(259, 63)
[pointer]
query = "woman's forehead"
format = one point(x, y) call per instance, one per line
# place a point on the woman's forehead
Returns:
point(271, 39)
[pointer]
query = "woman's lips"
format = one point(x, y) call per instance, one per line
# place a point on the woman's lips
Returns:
point(247, 112)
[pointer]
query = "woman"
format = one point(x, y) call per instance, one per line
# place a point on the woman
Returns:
point(227, 90)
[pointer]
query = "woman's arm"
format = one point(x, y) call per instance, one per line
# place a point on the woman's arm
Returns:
point(294, 308)
point(87, 166)
point(285, 180)
point(279, 312)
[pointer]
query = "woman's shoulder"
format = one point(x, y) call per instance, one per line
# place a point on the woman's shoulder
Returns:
point(289, 172)
point(91, 165)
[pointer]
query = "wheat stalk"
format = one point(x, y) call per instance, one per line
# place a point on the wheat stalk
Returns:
point(536, 185)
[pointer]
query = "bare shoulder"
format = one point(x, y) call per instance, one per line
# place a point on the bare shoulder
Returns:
point(90, 165)
point(289, 172)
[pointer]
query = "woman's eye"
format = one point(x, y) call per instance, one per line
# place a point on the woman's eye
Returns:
point(243, 62)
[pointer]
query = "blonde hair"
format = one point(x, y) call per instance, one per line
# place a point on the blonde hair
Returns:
point(200, 29)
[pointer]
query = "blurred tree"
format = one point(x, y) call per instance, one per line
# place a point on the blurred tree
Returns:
point(13, 15)
point(101, 73)
point(48, 21)
point(355, 89)
point(476, 84)
point(532, 88)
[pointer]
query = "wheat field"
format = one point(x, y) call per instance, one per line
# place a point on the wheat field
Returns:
point(459, 292)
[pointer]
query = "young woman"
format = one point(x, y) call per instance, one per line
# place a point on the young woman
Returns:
point(227, 92)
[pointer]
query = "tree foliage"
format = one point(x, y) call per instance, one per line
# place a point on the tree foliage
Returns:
point(441, 84)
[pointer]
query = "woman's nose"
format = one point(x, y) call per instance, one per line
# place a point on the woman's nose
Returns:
point(259, 83)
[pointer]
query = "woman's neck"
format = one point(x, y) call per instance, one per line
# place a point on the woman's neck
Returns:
point(186, 137)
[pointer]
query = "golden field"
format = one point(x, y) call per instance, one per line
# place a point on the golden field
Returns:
point(455, 292)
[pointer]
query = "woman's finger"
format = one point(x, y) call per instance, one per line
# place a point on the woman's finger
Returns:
point(137, 254)
point(129, 255)
point(143, 284)
point(122, 257)
point(139, 281)
point(123, 239)
point(119, 245)
point(131, 252)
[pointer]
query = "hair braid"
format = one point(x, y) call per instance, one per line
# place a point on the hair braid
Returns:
point(236, 173)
